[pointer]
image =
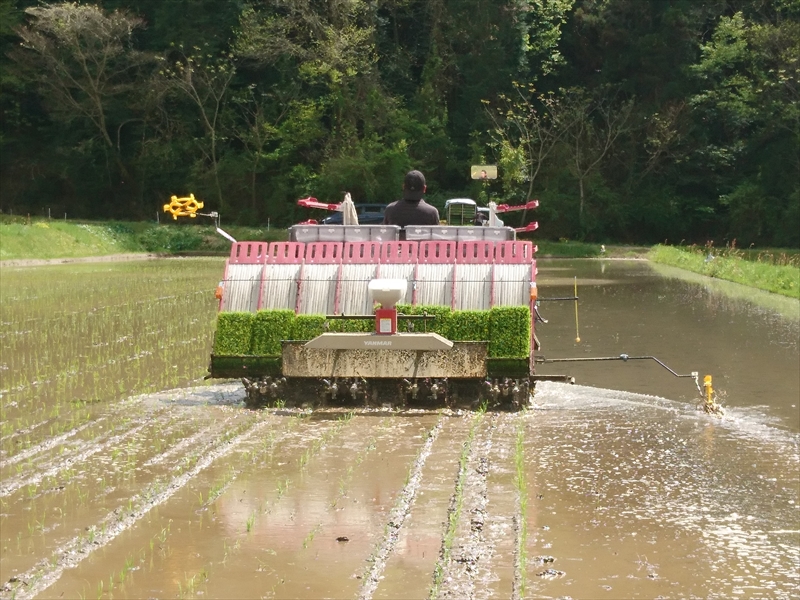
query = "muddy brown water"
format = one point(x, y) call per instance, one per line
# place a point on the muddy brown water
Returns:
point(615, 487)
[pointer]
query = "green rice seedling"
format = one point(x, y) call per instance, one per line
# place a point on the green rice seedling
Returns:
point(283, 487)
point(250, 521)
point(85, 359)
point(454, 512)
point(310, 537)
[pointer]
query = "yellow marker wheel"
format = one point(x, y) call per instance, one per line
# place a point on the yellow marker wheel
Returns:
point(183, 207)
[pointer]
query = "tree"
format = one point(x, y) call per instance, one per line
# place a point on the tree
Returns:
point(204, 80)
point(83, 58)
point(749, 105)
point(257, 128)
point(325, 53)
point(527, 127)
point(592, 123)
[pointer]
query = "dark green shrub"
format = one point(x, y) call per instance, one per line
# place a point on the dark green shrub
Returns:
point(509, 332)
point(269, 328)
point(307, 327)
point(234, 333)
point(171, 238)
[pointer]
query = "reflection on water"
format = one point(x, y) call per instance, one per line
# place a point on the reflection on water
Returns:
point(749, 341)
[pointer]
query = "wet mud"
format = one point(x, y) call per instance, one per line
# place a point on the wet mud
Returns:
point(624, 495)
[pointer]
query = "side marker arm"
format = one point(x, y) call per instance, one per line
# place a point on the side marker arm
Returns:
point(625, 358)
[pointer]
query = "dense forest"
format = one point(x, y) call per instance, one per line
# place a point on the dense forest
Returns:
point(630, 120)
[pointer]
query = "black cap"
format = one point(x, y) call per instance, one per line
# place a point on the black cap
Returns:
point(413, 185)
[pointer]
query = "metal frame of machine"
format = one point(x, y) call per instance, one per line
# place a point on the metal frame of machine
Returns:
point(337, 271)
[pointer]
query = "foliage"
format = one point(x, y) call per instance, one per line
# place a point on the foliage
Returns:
point(307, 327)
point(82, 59)
point(351, 325)
point(632, 120)
point(569, 249)
point(165, 239)
point(234, 333)
point(438, 324)
point(506, 328)
point(468, 325)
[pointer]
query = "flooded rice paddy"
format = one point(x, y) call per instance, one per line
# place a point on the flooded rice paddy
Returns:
point(124, 475)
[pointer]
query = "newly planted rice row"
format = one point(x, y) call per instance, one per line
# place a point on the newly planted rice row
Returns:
point(71, 553)
point(120, 334)
point(454, 511)
point(83, 491)
point(520, 518)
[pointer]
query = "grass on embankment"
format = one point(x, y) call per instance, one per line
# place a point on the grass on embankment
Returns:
point(774, 272)
point(570, 249)
point(43, 239)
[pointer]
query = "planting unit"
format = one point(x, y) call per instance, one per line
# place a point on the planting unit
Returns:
point(354, 314)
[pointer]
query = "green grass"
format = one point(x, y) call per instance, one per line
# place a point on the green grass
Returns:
point(569, 249)
point(57, 239)
point(566, 249)
point(21, 238)
point(775, 271)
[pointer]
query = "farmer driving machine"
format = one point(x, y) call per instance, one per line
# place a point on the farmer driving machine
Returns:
point(353, 314)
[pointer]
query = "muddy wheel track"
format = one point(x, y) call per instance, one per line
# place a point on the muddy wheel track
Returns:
point(463, 545)
point(398, 516)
